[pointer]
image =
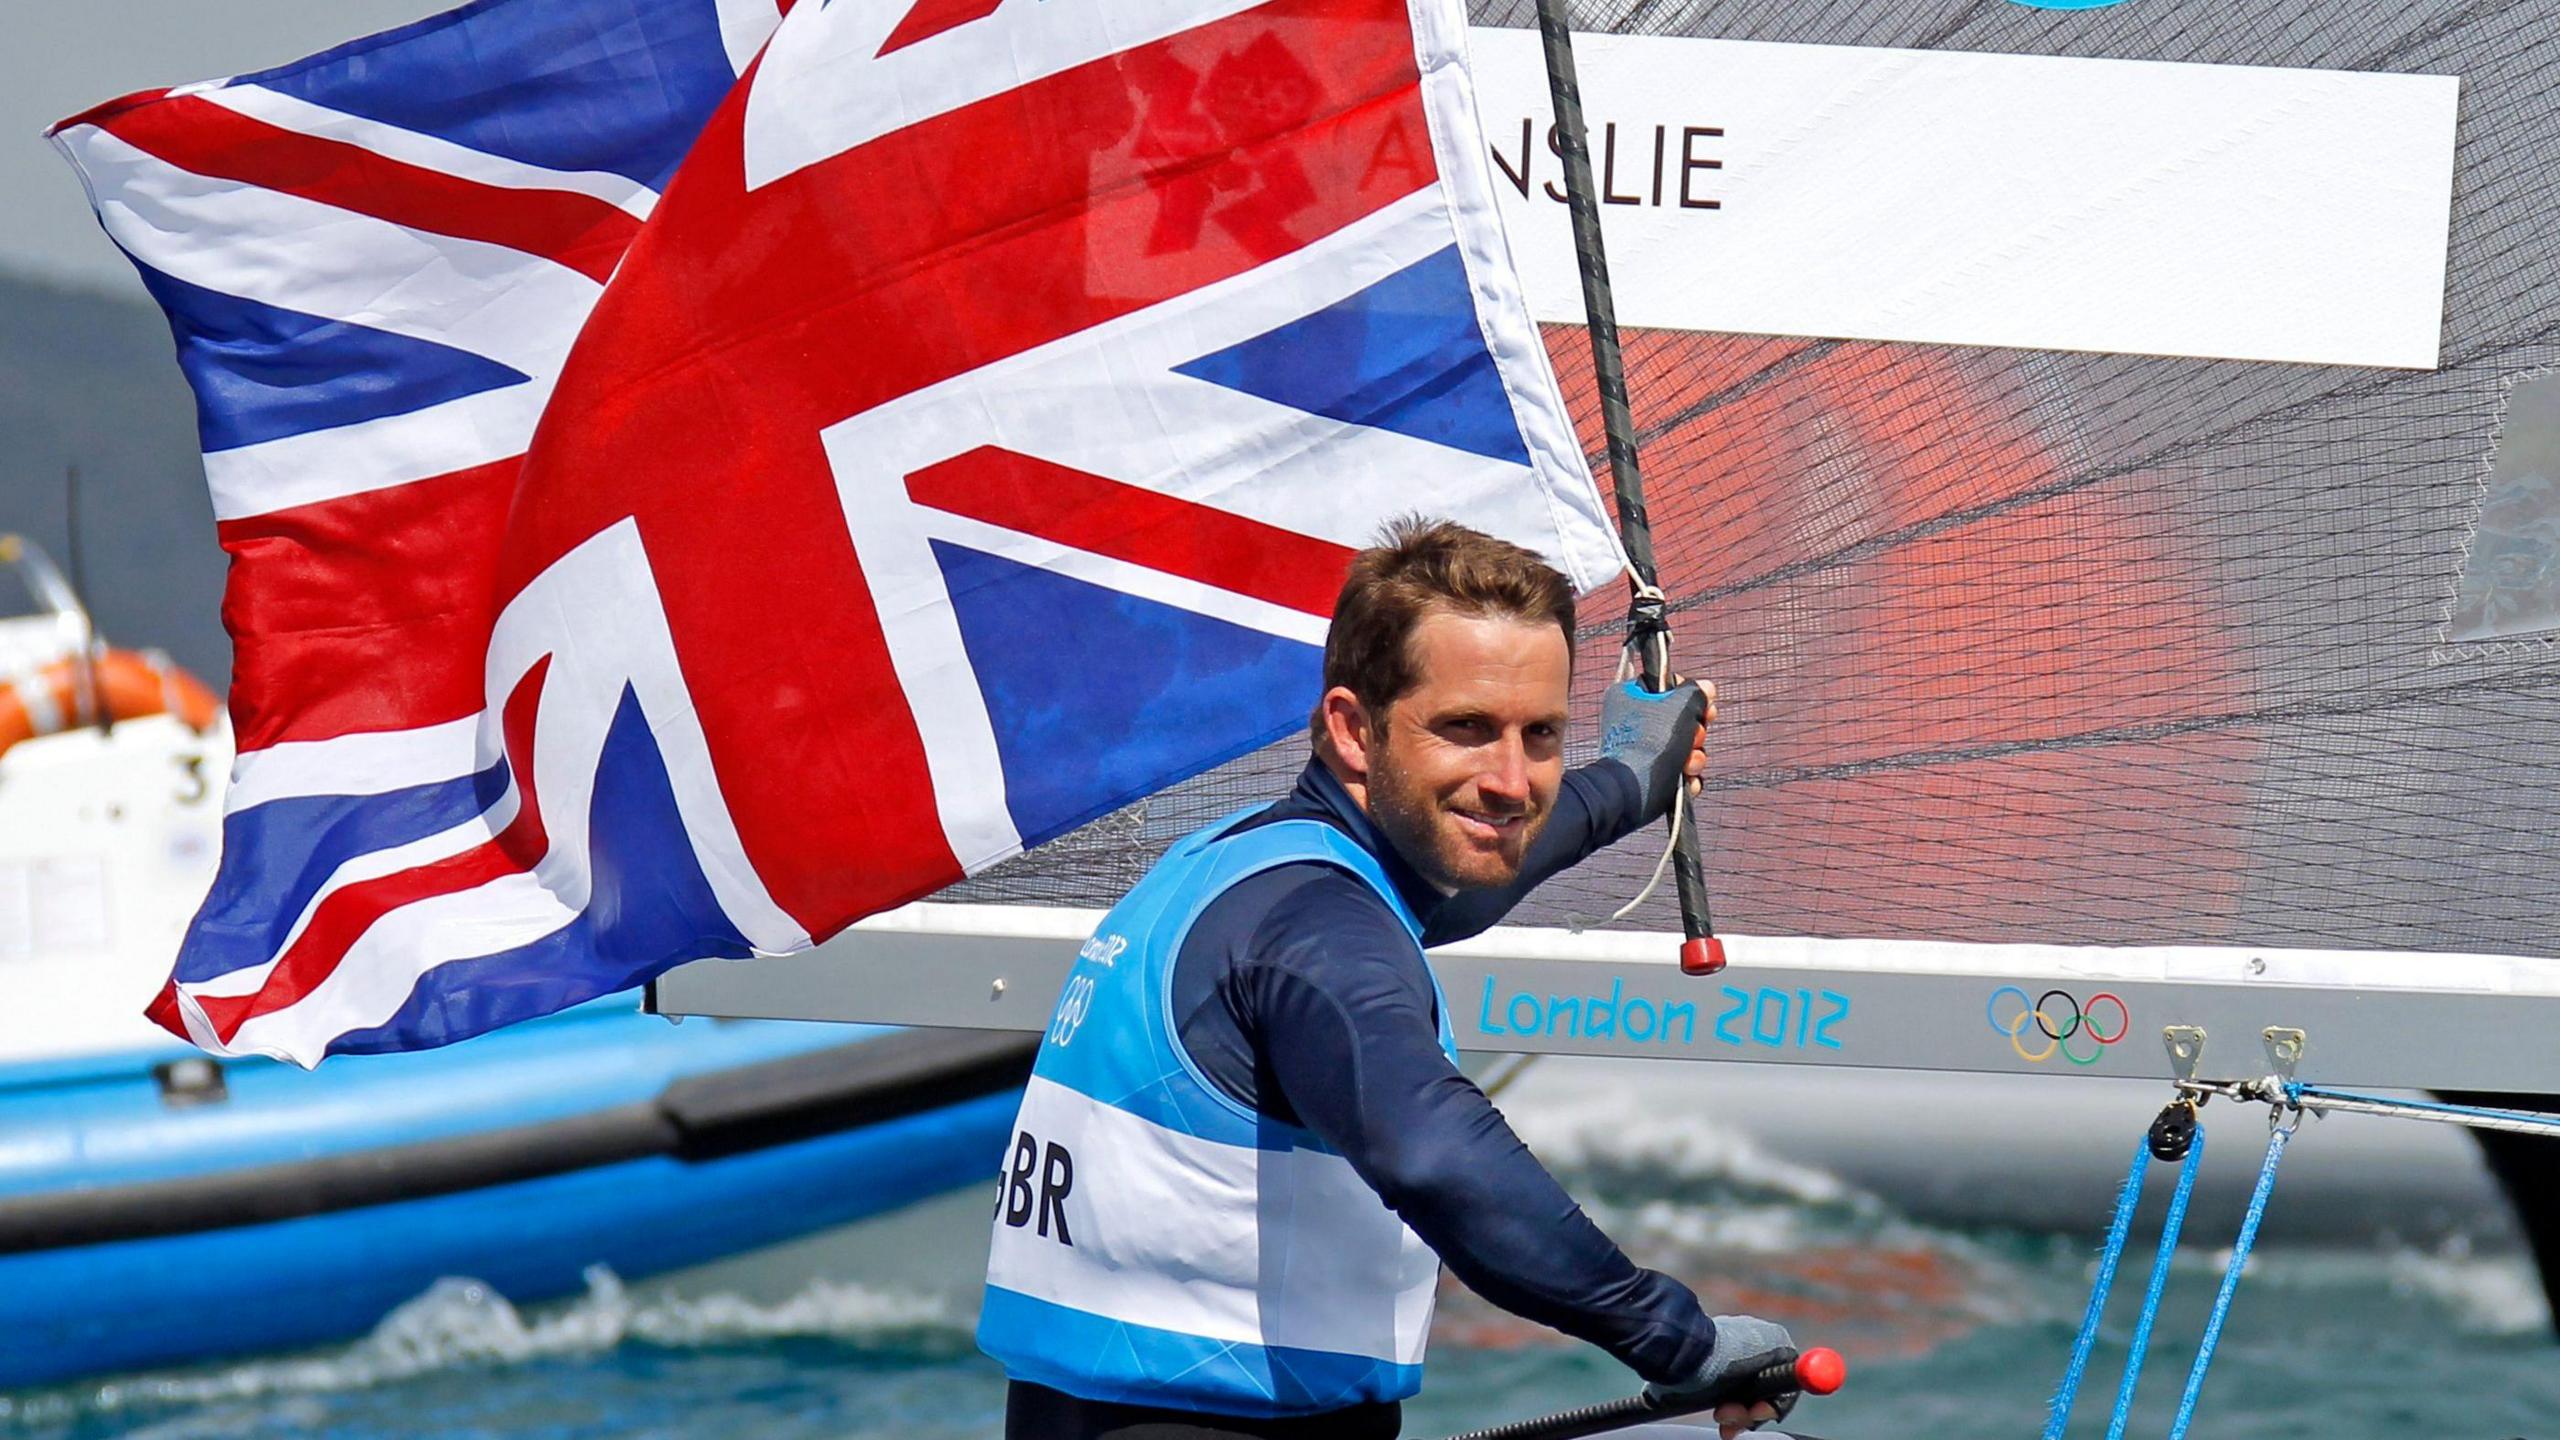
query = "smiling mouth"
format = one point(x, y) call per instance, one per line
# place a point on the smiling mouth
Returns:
point(1490, 827)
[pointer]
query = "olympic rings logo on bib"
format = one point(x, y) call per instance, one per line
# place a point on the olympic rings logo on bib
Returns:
point(2057, 1022)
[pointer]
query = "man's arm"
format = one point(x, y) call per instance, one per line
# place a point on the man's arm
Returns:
point(1345, 1030)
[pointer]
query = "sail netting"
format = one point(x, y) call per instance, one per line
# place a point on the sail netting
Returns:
point(2097, 649)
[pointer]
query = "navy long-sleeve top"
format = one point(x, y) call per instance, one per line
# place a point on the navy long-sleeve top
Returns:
point(1299, 993)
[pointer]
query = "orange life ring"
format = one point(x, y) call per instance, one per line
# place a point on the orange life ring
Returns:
point(129, 684)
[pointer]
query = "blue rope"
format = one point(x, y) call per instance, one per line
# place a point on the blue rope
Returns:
point(2058, 1412)
point(2230, 1281)
point(2159, 1282)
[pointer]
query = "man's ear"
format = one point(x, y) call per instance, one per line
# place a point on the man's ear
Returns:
point(1344, 722)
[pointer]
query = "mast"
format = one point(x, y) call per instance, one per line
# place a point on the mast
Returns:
point(1648, 614)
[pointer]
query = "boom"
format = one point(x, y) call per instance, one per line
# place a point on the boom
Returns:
point(2375, 1019)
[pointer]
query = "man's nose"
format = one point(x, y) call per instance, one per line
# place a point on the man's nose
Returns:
point(1506, 774)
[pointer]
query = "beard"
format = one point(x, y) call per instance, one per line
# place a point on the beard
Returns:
point(1434, 841)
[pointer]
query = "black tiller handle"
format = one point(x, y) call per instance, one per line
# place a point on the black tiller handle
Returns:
point(1770, 1381)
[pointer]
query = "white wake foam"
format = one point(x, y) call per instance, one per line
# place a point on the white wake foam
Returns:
point(1604, 1128)
point(462, 1323)
point(2497, 1293)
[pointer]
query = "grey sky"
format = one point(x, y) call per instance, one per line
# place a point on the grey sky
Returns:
point(66, 55)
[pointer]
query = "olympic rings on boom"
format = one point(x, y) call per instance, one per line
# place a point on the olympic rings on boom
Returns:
point(2079, 1032)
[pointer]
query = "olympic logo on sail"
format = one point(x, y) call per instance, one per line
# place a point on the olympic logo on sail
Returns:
point(2078, 1037)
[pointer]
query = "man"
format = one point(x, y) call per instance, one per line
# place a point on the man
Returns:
point(1251, 1053)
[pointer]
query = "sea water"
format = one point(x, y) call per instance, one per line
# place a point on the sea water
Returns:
point(1951, 1331)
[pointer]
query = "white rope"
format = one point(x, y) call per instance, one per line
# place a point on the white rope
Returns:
point(1679, 805)
point(1629, 668)
point(1660, 639)
point(2470, 1116)
point(2284, 1095)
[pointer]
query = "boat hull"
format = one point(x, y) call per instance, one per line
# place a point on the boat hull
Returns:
point(151, 1272)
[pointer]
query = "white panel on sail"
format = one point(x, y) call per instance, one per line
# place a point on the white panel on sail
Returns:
point(2133, 207)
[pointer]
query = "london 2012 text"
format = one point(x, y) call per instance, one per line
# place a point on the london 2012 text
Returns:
point(1767, 1018)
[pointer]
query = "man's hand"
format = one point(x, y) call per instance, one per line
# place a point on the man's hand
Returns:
point(1662, 738)
point(1744, 1344)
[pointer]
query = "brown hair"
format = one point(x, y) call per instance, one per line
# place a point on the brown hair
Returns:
point(1420, 566)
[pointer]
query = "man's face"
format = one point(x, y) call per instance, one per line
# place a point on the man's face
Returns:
point(1466, 769)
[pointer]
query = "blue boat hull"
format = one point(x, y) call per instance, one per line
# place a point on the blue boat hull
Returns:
point(107, 1134)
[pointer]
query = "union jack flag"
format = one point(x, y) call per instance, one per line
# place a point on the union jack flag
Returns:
point(682, 502)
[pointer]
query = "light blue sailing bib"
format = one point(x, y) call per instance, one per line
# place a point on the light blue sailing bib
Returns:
point(1159, 1243)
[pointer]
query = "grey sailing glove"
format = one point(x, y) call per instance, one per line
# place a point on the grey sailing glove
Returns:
point(1652, 735)
point(1744, 1344)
